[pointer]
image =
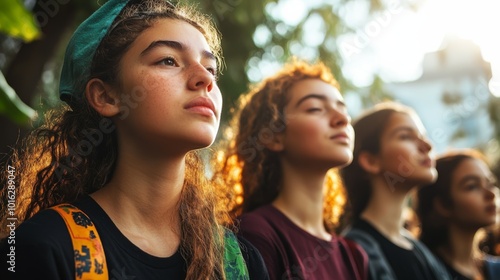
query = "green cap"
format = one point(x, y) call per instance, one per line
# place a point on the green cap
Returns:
point(81, 49)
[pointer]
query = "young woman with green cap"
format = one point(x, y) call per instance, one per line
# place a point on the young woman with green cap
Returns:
point(113, 187)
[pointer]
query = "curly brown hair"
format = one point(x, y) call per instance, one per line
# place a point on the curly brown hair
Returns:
point(247, 174)
point(74, 153)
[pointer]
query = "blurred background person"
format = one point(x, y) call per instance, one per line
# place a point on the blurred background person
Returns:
point(391, 157)
point(454, 208)
point(291, 130)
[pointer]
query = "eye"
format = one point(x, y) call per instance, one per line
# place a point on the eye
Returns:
point(314, 109)
point(169, 61)
point(471, 187)
point(212, 71)
point(406, 136)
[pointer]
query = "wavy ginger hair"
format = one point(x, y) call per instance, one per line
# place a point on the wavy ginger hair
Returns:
point(52, 170)
point(247, 174)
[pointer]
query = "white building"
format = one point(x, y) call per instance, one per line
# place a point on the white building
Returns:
point(451, 96)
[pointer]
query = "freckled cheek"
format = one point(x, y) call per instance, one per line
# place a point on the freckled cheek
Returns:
point(158, 105)
point(151, 82)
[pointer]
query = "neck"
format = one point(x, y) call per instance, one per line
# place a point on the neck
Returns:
point(144, 191)
point(459, 252)
point(301, 199)
point(460, 246)
point(385, 208)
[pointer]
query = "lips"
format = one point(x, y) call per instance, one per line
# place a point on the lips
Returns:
point(426, 162)
point(342, 136)
point(491, 209)
point(201, 105)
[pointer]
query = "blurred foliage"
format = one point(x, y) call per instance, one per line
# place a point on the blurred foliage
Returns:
point(12, 106)
point(17, 22)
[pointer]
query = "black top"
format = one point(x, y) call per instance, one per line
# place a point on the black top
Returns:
point(491, 269)
point(43, 250)
point(455, 275)
point(404, 263)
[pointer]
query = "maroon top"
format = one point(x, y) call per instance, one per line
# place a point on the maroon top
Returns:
point(292, 253)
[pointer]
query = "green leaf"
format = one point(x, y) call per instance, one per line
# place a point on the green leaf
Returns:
point(12, 106)
point(16, 21)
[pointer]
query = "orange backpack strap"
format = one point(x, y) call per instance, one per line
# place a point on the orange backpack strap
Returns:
point(90, 261)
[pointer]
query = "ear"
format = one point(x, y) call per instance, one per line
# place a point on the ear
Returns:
point(369, 162)
point(440, 208)
point(276, 143)
point(102, 98)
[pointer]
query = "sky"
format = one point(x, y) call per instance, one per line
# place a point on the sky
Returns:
point(392, 43)
point(396, 40)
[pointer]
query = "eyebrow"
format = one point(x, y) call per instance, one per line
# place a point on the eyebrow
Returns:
point(404, 128)
point(176, 46)
point(467, 178)
point(475, 178)
point(315, 96)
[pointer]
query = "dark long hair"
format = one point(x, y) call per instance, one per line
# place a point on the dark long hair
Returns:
point(368, 129)
point(74, 153)
point(434, 227)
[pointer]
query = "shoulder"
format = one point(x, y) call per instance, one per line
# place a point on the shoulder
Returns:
point(259, 222)
point(378, 267)
point(46, 227)
point(255, 263)
point(492, 267)
point(352, 247)
point(261, 215)
point(427, 258)
point(355, 256)
point(41, 246)
point(363, 239)
point(266, 228)
point(492, 260)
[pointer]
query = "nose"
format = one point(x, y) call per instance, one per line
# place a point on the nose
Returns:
point(200, 78)
point(339, 118)
point(491, 192)
point(425, 145)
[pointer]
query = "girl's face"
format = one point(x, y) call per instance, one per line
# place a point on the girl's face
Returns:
point(318, 129)
point(473, 190)
point(404, 152)
point(170, 100)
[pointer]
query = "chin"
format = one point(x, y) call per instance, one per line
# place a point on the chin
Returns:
point(342, 162)
point(201, 138)
point(203, 144)
point(427, 177)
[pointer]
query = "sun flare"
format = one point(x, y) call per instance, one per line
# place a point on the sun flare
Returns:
point(475, 20)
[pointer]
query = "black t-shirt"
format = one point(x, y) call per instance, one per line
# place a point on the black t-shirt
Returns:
point(44, 250)
point(491, 269)
point(404, 263)
point(455, 275)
